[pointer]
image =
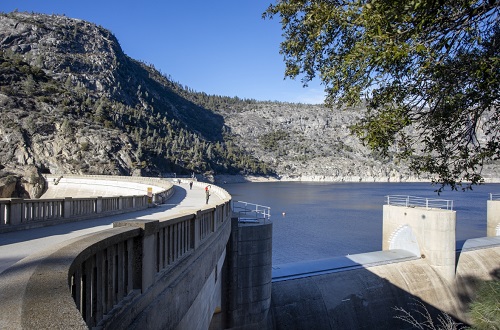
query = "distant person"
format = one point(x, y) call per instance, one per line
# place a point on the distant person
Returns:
point(190, 184)
point(207, 193)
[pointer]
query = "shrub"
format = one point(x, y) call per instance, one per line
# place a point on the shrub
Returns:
point(485, 309)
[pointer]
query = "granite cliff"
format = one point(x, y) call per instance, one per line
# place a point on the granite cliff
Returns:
point(71, 101)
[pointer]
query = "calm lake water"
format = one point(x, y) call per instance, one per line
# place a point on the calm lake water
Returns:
point(325, 220)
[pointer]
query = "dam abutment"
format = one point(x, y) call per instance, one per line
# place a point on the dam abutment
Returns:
point(249, 274)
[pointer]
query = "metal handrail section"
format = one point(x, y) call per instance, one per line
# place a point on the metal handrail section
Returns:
point(414, 201)
point(251, 210)
point(494, 197)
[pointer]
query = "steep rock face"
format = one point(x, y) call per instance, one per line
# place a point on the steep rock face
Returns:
point(23, 182)
point(69, 48)
point(8, 185)
point(311, 143)
point(39, 125)
point(72, 102)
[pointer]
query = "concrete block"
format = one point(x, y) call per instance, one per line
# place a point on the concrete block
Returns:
point(493, 218)
point(254, 247)
point(256, 276)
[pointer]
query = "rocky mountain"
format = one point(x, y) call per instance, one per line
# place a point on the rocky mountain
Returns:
point(71, 101)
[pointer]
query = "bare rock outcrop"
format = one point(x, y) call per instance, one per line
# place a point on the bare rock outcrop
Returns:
point(21, 182)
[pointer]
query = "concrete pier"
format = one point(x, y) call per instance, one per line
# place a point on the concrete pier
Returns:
point(250, 273)
point(432, 230)
point(493, 214)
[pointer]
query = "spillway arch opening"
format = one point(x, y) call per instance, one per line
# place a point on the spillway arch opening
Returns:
point(404, 238)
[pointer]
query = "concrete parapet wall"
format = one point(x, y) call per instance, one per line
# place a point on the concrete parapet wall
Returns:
point(493, 214)
point(140, 274)
point(70, 185)
point(35, 292)
point(434, 230)
point(184, 296)
point(20, 214)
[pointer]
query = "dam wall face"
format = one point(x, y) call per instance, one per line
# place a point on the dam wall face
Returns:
point(372, 296)
point(366, 298)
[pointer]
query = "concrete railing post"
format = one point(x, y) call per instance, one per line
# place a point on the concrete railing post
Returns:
point(148, 254)
point(196, 230)
point(434, 230)
point(98, 205)
point(493, 215)
point(216, 217)
point(16, 211)
point(120, 203)
point(68, 207)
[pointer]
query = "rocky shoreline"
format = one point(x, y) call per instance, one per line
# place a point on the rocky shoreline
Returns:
point(223, 179)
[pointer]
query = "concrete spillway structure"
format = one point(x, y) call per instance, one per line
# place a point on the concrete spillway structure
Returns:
point(365, 297)
point(427, 232)
point(418, 268)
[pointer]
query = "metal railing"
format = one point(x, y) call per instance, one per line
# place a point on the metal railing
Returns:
point(248, 212)
point(414, 201)
point(494, 197)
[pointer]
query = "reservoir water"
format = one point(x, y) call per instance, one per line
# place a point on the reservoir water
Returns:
point(321, 220)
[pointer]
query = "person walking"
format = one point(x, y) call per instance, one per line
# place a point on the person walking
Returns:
point(190, 184)
point(207, 193)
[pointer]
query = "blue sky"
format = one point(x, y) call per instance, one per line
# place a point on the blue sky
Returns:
point(221, 47)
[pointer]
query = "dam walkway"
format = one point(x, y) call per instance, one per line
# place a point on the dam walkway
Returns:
point(17, 245)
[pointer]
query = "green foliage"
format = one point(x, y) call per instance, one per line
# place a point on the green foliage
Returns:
point(485, 309)
point(428, 71)
point(272, 141)
point(84, 146)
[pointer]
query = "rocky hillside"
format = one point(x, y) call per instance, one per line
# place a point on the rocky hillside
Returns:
point(308, 142)
point(72, 102)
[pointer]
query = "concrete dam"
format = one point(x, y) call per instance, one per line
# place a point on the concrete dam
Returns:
point(204, 266)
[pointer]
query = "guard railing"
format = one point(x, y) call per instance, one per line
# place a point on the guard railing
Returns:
point(250, 212)
point(19, 213)
point(414, 201)
point(494, 197)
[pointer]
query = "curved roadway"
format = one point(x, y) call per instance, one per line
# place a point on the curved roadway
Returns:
point(15, 246)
